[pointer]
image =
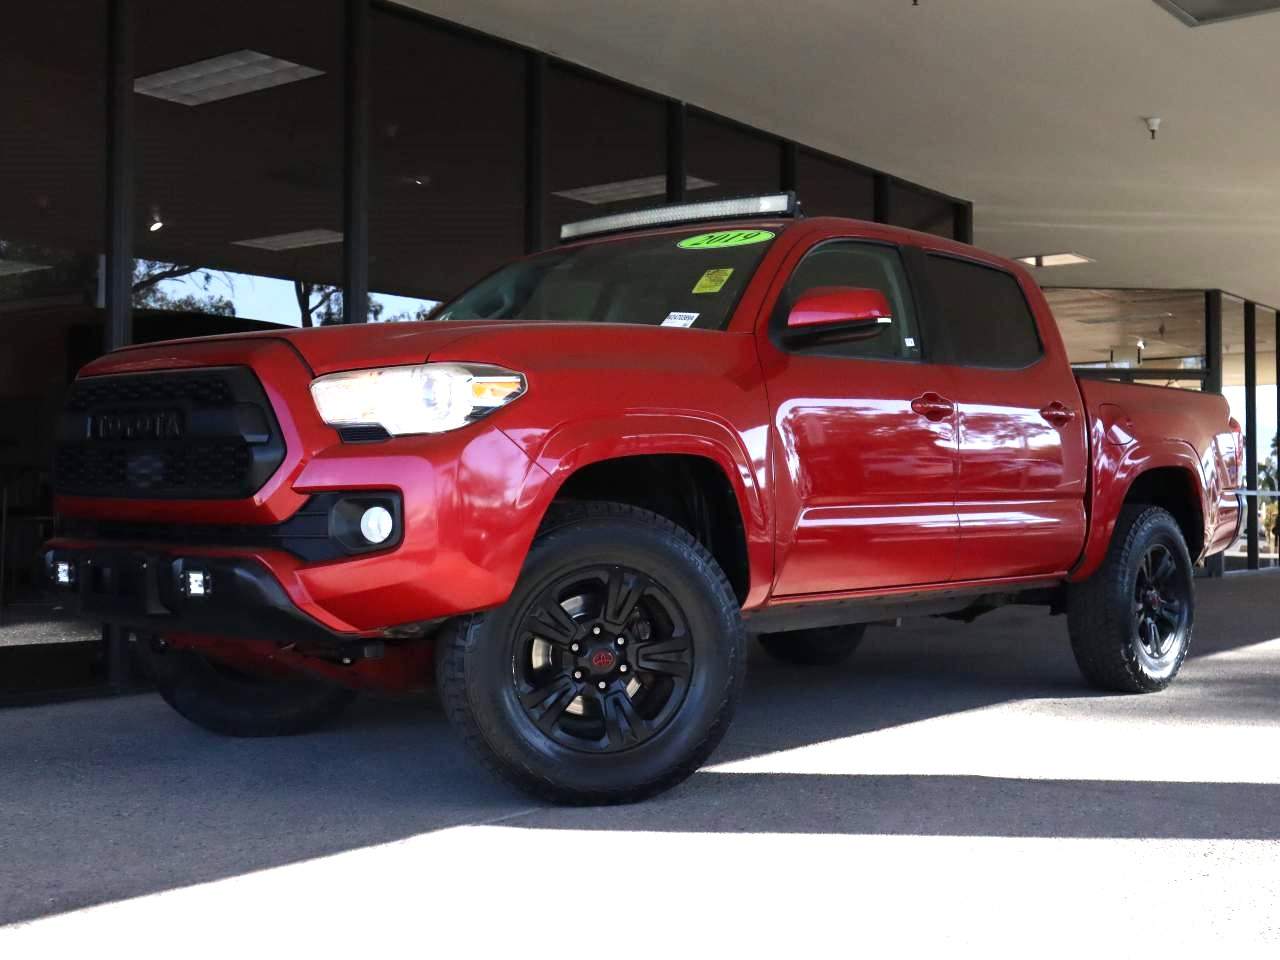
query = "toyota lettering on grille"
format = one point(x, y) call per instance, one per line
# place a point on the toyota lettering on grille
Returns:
point(136, 425)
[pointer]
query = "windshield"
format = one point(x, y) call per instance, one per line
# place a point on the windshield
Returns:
point(688, 279)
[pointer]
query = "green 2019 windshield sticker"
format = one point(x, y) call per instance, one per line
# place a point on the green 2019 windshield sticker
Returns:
point(724, 238)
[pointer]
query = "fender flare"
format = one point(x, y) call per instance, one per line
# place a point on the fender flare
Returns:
point(1116, 470)
point(570, 447)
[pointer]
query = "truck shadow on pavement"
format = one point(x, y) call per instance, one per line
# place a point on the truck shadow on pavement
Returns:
point(105, 800)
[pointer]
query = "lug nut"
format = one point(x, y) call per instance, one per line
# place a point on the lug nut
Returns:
point(596, 631)
point(622, 669)
point(602, 685)
point(577, 674)
point(574, 647)
point(622, 641)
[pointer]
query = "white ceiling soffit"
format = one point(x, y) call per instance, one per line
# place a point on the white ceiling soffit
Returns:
point(1032, 110)
point(218, 78)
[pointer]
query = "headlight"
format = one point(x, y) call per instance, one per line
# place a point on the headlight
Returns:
point(425, 398)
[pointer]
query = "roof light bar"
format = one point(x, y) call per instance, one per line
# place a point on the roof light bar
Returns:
point(777, 204)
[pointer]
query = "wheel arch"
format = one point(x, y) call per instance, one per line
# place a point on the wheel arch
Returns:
point(695, 471)
point(1166, 475)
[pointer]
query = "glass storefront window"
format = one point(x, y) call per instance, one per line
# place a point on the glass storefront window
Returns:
point(1132, 329)
point(239, 167)
point(726, 160)
point(447, 160)
point(918, 210)
point(606, 149)
point(830, 188)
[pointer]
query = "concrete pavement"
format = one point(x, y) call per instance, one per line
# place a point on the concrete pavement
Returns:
point(952, 784)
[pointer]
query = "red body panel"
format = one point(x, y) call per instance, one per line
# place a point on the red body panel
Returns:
point(845, 487)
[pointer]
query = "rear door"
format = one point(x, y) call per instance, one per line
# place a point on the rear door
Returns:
point(1020, 421)
point(864, 444)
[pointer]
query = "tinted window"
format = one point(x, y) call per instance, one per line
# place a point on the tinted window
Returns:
point(984, 316)
point(690, 279)
point(853, 264)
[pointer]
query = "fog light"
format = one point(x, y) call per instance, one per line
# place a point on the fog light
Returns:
point(376, 524)
point(197, 583)
point(64, 573)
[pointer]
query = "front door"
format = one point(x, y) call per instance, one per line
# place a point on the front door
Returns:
point(864, 441)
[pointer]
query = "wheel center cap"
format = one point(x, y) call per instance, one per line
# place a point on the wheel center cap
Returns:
point(602, 661)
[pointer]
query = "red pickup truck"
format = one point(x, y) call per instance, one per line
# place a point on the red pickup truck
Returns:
point(572, 493)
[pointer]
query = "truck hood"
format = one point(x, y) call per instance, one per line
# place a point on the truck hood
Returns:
point(356, 346)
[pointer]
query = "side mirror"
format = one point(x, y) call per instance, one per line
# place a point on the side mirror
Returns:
point(846, 313)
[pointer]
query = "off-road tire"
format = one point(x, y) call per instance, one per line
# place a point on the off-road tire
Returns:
point(235, 704)
point(1102, 611)
point(819, 647)
point(479, 661)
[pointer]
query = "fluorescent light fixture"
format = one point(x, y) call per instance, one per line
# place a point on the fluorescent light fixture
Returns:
point(292, 241)
point(1198, 13)
point(778, 204)
point(1054, 260)
point(12, 268)
point(636, 189)
point(218, 78)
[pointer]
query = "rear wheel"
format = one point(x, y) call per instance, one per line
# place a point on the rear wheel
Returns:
point(820, 647)
point(1130, 623)
point(238, 703)
point(613, 670)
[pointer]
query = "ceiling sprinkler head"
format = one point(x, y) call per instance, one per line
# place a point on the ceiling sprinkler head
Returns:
point(1153, 124)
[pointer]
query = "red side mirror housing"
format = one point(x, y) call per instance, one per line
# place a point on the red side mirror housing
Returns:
point(856, 313)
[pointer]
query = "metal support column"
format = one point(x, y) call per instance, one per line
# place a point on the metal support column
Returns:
point(1251, 428)
point(355, 195)
point(882, 201)
point(535, 150)
point(963, 229)
point(117, 284)
point(790, 165)
point(676, 163)
point(1215, 565)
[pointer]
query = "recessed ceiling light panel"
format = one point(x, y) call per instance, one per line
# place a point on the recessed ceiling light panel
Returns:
point(620, 190)
point(218, 78)
point(1054, 260)
point(293, 241)
point(1198, 13)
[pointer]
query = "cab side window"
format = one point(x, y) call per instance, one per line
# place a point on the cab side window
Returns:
point(851, 263)
point(984, 316)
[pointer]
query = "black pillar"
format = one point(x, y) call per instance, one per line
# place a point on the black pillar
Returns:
point(882, 202)
point(355, 195)
point(1213, 341)
point(790, 165)
point(535, 149)
point(117, 284)
point(1251, 428)
point(117, 264)
point(676, 164)
point(964, 222)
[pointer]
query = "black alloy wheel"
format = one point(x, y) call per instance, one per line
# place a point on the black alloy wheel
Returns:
point(604, 659)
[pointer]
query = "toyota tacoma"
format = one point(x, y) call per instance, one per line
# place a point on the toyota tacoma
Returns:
point(570, 496)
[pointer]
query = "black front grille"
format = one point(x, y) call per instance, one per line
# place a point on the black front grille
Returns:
point(201, 434)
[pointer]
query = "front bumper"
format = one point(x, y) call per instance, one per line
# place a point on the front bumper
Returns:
point(158, 592)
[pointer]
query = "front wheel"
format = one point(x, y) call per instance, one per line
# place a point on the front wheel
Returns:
point(1130, 623)
point(613, 670)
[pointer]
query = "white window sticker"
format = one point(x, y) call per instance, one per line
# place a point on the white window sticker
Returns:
point(680, 319)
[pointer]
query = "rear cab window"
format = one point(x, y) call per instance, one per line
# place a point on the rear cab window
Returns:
point(689, 278)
